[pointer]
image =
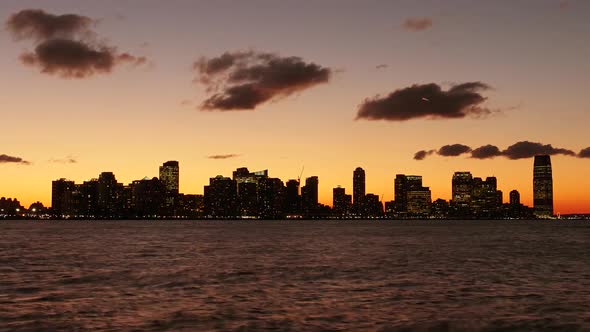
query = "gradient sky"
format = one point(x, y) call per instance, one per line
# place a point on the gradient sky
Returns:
point(534, 54)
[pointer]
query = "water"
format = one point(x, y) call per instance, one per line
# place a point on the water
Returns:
point(294, 276)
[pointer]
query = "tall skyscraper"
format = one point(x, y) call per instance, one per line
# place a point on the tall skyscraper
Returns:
point(292, 199)
point(358, 187)
point(462, 188)
point(62, 198)
point(309, 194)
point(169, 175)
point(542, 187)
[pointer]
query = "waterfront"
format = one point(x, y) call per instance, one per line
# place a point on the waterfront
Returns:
point(294, 275)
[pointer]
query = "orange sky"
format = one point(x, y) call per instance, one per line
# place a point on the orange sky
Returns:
point(131, 120)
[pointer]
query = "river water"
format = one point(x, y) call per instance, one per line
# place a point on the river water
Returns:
point(294, 276)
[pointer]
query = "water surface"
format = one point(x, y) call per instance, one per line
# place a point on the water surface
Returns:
point(294, 276)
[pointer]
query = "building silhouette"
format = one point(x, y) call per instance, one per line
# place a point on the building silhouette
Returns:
point(221, 198)
point(358, 189)
point(542, 187)
point(169, 176)
point(62, 198)
point(292, 198)
point(341, 202)
point(514, 197)
point(309, 196)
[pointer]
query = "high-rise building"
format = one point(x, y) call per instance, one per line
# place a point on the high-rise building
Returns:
point(485, 196)
point(358, 188)
point(514, 198)
point(542, 187)
point(462, 188)
point(271, 194)
point(220, 198)
point(410, 196)
point(169, 175)
point(148, 198)
point(62, 198)
point(110, 204)
point(309, 195)
point(339, 201)
point(292, 198)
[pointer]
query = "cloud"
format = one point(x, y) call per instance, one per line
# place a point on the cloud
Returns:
point(519, 150)
point(5, 159)
point(427, 101)
point(526, 149)
point(420, 155)
point(382, 66)
point(39, 25)
point(65, 45)
point(417, 23)
point(244, 80)
point(67, 160)
point(485, 152)
point(584, 153)
point(453, 150)
point(223, 156)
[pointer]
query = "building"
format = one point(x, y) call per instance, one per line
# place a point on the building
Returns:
point(411, 198)
point(309, 195)
point(542, 187)
point(486, 199)
point(62, 198)
point(292, 198)
point(341, 202)
point(110, 196)
point(373, 207)
point(514, 198)
point(148, 198)
point(169, 175)
point(462, 188)
point(271, 198)
point(358, 189)
point(220, 198)
point(419, 202)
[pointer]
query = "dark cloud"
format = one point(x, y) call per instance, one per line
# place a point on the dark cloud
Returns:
point(5, 159)
point(584, 153)
point(39, 25)
point(420, 155)
point(485, 152)
point(427, 101)
point(519, 150)
point(417, 23)
point(526, 149)
point(453, 150)
point(65, 45)
point(381, 66)
point(223, 156)
point(244, 80)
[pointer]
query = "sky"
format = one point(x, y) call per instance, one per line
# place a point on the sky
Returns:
point(327, 86)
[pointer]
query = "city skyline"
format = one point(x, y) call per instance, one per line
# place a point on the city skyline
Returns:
point(434, 89)
point(258, 195)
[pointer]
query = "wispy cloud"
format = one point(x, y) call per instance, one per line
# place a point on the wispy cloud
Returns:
point(223, 156)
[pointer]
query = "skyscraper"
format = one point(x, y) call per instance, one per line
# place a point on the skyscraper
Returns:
point(309, 194)
point(462, 189)
point(542, 187)
point(358, 187)
point(169, 175)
